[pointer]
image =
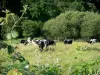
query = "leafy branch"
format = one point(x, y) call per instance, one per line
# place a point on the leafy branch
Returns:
point(24, 10)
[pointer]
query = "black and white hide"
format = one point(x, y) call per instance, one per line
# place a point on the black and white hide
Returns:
point(25, 42)
point(41, 44)
point(68, 41)
point(44, 43)
point(50, 42)
point(91, 41)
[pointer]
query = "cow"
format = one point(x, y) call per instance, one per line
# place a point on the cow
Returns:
point(68, 41)
point(50, 42)
point(44, 43)
point(28, 41)
point(91, 41)
point(41, 44)
point(25, 42)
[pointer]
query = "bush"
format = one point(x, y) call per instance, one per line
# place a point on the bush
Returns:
point(4, 59)
point(66, 25)
point(86, 68)
point(73, 24)
point(90, 27)
point(33, 69)
point(46, 69)
point(31, 28)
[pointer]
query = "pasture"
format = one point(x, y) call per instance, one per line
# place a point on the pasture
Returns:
point(63, 55)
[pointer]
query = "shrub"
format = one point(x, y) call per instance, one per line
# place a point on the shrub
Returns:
point(86, 68)
point(90, 27)
point(46, 69)
point(4, 59)
point(33, 70)
point(73, 24)
point(66, 25)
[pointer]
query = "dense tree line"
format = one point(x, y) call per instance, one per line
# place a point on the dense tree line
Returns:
point(40, 11)
point(37, 10)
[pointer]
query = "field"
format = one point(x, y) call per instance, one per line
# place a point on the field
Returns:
point(64, 55)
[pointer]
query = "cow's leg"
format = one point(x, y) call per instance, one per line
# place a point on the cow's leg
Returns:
point(41, 48)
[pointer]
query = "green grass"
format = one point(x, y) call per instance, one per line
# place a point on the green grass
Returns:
point(65, 55)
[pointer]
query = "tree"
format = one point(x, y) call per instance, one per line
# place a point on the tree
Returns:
point(31, 28)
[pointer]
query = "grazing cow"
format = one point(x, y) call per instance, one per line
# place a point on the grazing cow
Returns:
point(50, 42)
point(68, 41)
point(91, 41)
point(36, 41)
point(25, 42)
point(44, 43)
point(41, 44)
point(29, 40)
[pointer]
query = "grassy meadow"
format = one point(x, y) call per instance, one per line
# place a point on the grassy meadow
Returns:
point(63, 55)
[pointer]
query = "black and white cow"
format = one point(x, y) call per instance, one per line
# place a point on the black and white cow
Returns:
point(41, 44)
point(25, 42)
point(68, 41)
point(50, 42)
point(44, 43)
point(91, 41)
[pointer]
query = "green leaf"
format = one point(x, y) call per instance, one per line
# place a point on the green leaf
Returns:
point(14, 34)
point(8, 36)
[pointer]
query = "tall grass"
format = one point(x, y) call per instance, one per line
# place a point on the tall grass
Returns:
point(64, 55)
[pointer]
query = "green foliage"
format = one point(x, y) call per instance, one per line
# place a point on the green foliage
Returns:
point(14, 72)
point(73, 24)
point(4, 58)
point(86, 48)
point(86, 68)
point(41, 10)
point(10, 49)
point(66, 25)
point(46, 69)
point(76, 5)
point(83, 48)
point(31, 28)
point(17, 56)
point(19, 67)
point(90, 27)
point(34, 69)
point(6, 29)
point(12, 34)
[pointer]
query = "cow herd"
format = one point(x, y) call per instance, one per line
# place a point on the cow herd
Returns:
point(44, 43)
point(41, 43)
